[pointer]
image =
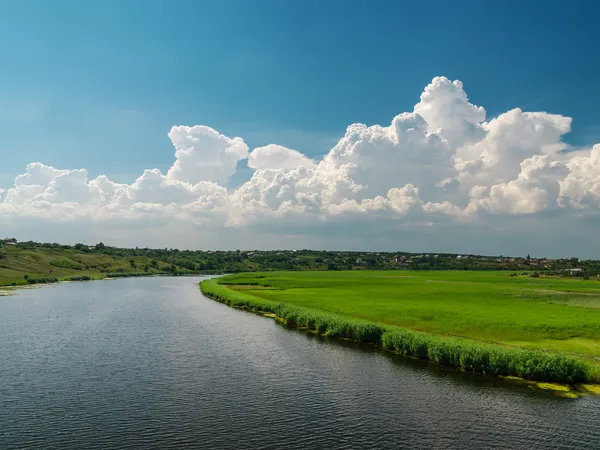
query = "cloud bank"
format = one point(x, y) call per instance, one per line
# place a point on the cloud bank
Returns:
point(442, 176)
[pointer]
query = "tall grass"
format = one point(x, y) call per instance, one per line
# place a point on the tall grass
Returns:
point(467, 355)
point(211, 289)
point(489, 358)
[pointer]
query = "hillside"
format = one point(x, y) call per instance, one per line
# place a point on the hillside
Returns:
point(19, 265)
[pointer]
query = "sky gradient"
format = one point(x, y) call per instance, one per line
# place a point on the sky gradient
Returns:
point(99, 87)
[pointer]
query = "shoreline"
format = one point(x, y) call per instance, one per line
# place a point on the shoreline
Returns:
point(568, 377)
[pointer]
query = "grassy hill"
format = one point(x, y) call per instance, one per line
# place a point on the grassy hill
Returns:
point(19, 265)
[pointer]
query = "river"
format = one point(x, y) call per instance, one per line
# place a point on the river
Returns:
point(149, 363)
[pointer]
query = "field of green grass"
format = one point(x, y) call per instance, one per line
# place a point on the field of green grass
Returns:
point(543, 329)
point(542, 313)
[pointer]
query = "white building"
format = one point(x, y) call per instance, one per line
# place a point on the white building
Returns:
point(575, 272)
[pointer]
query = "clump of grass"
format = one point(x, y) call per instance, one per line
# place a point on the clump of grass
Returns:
point(79, 278)
point(66, 264)
point(467, 355)
point(330, 324)
point(42, 280)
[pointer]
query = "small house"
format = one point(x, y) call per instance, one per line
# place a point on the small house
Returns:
point(575, 272)
point(10, 241)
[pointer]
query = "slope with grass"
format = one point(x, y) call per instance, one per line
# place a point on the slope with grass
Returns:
point(20, 266)
point(471, 312)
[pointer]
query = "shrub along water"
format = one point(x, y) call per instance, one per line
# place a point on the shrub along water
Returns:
point(467, 355)
point(79, 278)
point(42, 280)
point(137, 274)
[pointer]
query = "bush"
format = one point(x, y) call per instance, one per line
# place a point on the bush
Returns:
point(133, 274)
point(78, 278)
point(42, 280)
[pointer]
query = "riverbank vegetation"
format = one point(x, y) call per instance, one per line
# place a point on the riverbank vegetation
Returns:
point(545, 329)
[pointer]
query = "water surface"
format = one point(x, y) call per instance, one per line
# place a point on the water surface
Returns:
point(152, 364)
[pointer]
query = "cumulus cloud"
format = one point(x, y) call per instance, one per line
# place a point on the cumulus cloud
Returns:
point(275, 156)
point(204, 154)
point(442, 166)
point(537, 188)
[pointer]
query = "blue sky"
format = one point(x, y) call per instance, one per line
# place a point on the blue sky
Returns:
point(99, 84)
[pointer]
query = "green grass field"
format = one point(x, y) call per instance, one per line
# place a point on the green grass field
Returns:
point(537, 313)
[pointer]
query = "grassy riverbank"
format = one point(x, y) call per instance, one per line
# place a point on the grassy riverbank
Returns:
point(541, 329)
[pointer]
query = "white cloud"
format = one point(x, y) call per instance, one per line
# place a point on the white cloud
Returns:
point(440, 170)
point(275, 156)
point(203, 154)
point(510, 139)
point(581, 188)
point(536, 189)
point(446, 109)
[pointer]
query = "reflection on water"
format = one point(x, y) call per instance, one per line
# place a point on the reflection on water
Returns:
point(150, 363)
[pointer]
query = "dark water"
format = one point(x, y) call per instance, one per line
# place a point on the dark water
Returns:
point(151, 364)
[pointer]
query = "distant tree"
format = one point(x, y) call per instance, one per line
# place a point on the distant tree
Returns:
point(528, 257)
point(78, 246)
point(100, 246)
point(26, 277)
point(146, 268)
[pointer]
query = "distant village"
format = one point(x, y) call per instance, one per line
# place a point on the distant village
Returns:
point(422, 261)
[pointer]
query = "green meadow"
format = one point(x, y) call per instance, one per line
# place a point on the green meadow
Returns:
point(478, 313)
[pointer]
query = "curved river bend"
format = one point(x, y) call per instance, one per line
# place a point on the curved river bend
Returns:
point(152, 364)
